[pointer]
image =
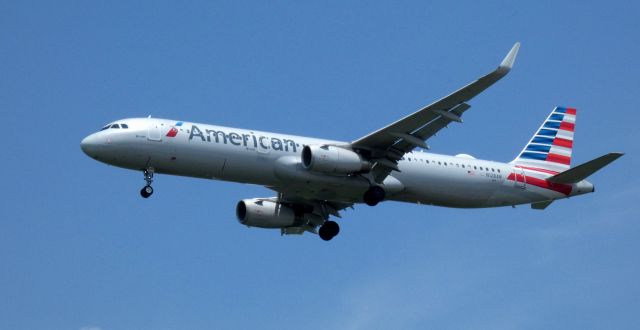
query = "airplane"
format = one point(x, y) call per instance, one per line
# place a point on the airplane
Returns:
point(315, 179)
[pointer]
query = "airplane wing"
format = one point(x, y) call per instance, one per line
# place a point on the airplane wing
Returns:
point(388, 145)
point(321, 208)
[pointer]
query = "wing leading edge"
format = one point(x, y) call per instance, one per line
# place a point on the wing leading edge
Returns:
point(389, 144)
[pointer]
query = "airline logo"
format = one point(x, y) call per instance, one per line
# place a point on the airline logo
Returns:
point(551, 146)
point(173, 131)
point(548, 153)
point(257, 142)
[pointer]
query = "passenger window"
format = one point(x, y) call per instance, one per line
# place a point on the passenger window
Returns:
point(498, 170)
point(115, 126)
point(439, 163)
point(409, 158)
point(445, 163)
point(480, 168)
point(474, 167)
point(124, 125)
point(427, 161)
point(493, 170)
point(462, 165)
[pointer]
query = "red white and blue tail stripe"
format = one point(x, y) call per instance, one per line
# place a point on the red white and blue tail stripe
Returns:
point(549, 150)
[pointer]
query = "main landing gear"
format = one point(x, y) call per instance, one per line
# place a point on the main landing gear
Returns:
point(147, 190)
point(329, 230)
point(374, 195)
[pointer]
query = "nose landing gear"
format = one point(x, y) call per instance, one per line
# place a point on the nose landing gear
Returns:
point(147, 190)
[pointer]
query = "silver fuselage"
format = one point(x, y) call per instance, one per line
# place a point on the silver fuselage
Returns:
point(273, 160)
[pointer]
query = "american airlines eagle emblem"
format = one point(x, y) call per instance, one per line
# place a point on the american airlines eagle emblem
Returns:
point(174, 131)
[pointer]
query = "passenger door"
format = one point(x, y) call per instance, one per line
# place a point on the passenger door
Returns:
point(154, 133)
point(520, 180)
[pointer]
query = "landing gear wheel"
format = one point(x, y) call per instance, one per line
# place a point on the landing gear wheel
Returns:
point(374, 195)
point(146, 191)
point(329, 230)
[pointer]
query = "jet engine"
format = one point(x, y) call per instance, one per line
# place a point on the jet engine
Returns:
point(264, 214)
point(333, 160)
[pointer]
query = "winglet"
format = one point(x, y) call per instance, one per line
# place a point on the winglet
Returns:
point(508, 61)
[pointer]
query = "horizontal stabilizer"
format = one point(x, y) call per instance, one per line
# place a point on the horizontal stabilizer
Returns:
point(583, 171)
point(541, 205)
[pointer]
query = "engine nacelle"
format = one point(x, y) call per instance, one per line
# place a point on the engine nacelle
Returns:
point(333, 160)
point(264, 214)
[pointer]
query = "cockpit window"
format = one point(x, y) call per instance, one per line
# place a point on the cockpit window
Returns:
point(115, 126)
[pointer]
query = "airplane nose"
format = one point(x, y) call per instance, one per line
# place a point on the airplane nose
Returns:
point(89, 145)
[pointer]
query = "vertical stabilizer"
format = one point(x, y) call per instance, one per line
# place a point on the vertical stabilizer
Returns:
point(550, 147)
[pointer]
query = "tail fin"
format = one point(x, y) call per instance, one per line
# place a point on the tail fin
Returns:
point(550, 147)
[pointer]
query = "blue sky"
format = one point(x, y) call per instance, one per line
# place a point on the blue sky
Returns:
point(79, 248)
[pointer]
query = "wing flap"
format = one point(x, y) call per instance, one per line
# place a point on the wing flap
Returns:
point(433, 127)
point(403, 146)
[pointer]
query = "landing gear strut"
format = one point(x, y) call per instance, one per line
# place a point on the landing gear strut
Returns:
point(147, 190)
point(329, 230)
point(374, 195)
